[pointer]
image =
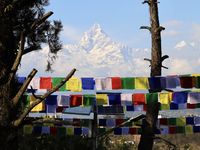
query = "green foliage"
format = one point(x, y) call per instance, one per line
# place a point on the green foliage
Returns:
point(19, 15)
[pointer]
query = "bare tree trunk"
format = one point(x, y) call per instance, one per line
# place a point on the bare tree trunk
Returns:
point(147, 136)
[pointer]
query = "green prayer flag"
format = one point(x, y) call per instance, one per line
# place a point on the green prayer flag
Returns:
point(151, 98)
point(102, 130)
point(56, 81)
point(139, 130)
point(180, 129)
point(197, 82)
point(172, 121)
point(128, 83)
point(88, 100)
point(61, 131)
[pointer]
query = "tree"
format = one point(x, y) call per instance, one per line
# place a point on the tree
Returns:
point(147, 136)
point(23, 28)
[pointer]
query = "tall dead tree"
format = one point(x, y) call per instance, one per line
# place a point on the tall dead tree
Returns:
point(149, 124)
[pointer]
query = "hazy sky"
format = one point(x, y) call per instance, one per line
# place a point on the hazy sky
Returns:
point(121, 20)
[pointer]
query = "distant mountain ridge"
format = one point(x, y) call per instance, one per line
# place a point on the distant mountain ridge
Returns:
point(96, 54)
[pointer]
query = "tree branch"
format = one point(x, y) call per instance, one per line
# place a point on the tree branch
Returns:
point(161, 28)
point(146, 27)
point(18, 57)
point(18, 121)
point(15, 100)
point(41, 20)
point(146, 2)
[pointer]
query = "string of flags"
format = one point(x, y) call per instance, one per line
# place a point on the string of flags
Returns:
point(83, 131)
point(115, 83)
point(130, 101)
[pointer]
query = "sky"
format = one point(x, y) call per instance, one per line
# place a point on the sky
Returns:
point(121, 21)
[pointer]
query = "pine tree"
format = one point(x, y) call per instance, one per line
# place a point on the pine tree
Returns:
point(24, 27)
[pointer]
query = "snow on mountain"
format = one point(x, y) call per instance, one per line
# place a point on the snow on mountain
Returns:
point(98, 55)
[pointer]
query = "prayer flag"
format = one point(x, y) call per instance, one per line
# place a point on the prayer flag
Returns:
point(190, 120)
point(102, 99)
point(45, 130)
point(114, 99)
point(56, 81)
point(87, 83)
point(152, 98)
point(128, 83)
point(126, 99)
point(108, 83)
point(180, 97)
point(181, 121)
point(188, 129)
point(39, 107)
point(139, 98)
point(118, 131)
point(63, 100)
point(100, 84)
point(155, 83)
point(89, 100)
point(74, 84)
point(194, 97)
point(110, 123)
point(186, 81)
point(45, 83)
point(28, 129)
point(197, 120)
point(172, 130)
point(51, 100)
point(180, 129)
point(70, 130)
point(164, 98)
point(116, 83)
point(35, 83)
point(141, 83)
point(76, 100)
point(172, 81)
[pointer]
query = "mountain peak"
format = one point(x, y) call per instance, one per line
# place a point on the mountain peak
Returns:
point(96, 28)
point(93, 36)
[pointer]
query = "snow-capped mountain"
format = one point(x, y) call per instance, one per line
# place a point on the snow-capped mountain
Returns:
point(98, 55)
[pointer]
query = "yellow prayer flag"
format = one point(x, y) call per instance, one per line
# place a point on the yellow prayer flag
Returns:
point(141, 83)
point(181, 121)
point(27, 129)
point(102, 99)
point(165, 107)
point(165, 98)
point(39, 107)
point(188, 129)
point(195, 74)
point(70, 130)
point(74, 84)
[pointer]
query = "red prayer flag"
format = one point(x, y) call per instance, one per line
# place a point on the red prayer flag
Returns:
point(172, 130)
point(191, 106)
point(76, 100)
point(53, 130)
point(116, 83)
point(186, 82)
point(138, 99)
point(119, 121)
point(45, 83)
point(133, 131)
point(163, 121)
